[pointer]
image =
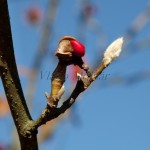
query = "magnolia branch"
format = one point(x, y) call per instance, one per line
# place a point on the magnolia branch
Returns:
point(70, 51)
point(111, 53)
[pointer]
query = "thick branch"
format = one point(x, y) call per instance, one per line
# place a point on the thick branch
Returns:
point(11, 82)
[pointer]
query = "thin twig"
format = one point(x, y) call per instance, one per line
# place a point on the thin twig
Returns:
point(111, 53)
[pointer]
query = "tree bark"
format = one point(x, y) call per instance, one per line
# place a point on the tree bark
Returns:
point(11, 83)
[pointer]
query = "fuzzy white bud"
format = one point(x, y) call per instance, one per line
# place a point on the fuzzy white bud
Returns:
point(113, 51)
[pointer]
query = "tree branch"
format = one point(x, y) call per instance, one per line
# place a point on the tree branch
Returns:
point(11, 82)
point(82, 84)
point(26, 127)
point(111, 53)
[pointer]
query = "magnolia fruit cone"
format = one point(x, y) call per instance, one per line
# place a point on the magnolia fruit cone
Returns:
point(69, 52)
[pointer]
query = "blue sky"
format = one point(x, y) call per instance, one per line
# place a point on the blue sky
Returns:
point(106, 116)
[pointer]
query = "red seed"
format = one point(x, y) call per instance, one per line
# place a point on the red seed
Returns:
point(78, 48)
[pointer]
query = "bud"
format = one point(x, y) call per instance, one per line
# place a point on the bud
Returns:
point(113, 51)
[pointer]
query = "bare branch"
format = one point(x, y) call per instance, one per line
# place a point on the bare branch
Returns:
point(83, 83)
point(11, 82)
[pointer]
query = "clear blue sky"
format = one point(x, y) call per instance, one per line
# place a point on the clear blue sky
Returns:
point(113, 117)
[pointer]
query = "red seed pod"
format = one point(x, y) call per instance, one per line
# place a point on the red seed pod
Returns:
point(69, 46)
point(78, 48)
